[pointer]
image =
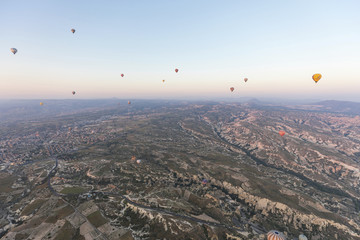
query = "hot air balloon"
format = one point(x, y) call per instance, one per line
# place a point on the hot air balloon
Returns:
point(73, 30)
point(13, 50)
point(245, 79)
point(133, 158)
point(204, 181)
point(73, 92)
point(41, 103)
point(129, 102)
point(122, 75)
point(275, 235)
point(163, 80)
point(316, 77)
point(232, 89)
point(176, 70)
point(70, 129)
point(282, 133)
point(302, 237)
point(138, 161)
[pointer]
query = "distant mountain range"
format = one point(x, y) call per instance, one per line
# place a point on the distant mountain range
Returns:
point(332, 106)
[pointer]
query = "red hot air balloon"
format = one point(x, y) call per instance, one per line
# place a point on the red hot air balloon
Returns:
point(129, 102)
point(122, 75)
point(73, 30)
point(176, 70)
point(245, 79)
point(282, 133)
point(232, 89)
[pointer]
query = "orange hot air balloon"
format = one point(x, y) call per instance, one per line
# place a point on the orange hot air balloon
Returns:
point(232, 89)
point(133, 158)
point(41, 103)
point(122, 75)
point(73, 92)
point(72, 30)
point(282, 133)
point(129, 102)
point(275, 235)
point(316, 77)
point(176, 70)
point(245, 79)
point(163, 80)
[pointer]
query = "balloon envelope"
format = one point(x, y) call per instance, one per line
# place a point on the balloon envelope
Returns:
point(316, 77)
point(275, 235)
point(73, 30)
point(41, 103)
point(176, 70)
point(163, 80)
point(245, 79)
point(129, 102)
point(122, 75)
point(73, 92)
point(232, 89)
point(13, 50)
point(282, 133)
point(302, 237)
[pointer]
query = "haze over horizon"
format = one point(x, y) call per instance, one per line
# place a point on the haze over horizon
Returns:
point(277, 45)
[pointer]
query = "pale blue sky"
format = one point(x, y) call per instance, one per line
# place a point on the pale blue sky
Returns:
point(278, 45)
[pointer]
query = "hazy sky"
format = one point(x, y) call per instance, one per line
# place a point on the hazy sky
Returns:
point(278, 45)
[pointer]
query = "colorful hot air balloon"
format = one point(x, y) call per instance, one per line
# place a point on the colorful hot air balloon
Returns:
point(129, 102)
point(275, 235)
point(73, 30)
point(163, 80)
point(204, 181)
point(73, 92)
point(245, 79)
point(282, 133)
point(316, 77)
point(302, 237)
point(138, 161)
point(41, 103)
point(232, 89)
point(176, 70)
point(122, 75)
point(13, 50)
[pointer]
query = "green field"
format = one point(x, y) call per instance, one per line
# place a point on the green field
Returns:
point(30, 208)
point(96, 219)
point(73, 190)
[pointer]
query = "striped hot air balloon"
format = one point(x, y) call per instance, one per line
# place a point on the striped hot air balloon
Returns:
point(275, 235)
